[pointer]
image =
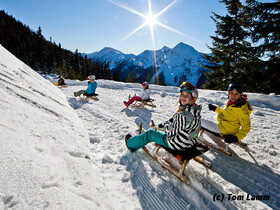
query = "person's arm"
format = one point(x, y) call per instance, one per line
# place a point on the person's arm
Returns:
point(214, 108)
point(168, 122)
point(60, 82)
point(181, 132)
point(245, 122)
point(94, 86)
point(219, 110)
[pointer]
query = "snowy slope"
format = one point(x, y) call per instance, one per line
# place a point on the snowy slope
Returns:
point(45, 157)
point(134, 179)
point(46, 149)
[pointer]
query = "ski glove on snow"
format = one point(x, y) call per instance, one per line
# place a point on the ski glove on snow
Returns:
point(212, 107)
point(230, 138)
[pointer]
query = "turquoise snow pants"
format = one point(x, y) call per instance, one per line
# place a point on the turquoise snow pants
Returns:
point(139, 141)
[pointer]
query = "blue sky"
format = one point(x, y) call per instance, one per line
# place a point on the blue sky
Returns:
point(90, 25)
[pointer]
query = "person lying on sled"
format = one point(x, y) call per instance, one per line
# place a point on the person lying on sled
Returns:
point(90, 91)
point(145, 94)
point(60, 81)
point(181, 131)
point(233, 122)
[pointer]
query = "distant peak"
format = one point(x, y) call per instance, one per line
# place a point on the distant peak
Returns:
point(166, 48)
point(109, 49)
point(184, 46)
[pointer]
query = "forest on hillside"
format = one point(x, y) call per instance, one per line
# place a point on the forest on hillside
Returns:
point(46, 56)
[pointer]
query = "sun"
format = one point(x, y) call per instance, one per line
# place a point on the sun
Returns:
point(151, 20)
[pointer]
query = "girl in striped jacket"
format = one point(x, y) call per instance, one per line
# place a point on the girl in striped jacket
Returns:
point(181, 131)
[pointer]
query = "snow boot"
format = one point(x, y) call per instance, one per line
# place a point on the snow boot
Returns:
point(128, 136)
point(126, 104)
point(75, 94)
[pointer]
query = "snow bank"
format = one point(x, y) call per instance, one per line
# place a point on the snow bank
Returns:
point(45, 158)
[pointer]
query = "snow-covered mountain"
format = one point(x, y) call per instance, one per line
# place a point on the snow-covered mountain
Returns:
point(111, 56)
point(176, 64)
point(57, 152)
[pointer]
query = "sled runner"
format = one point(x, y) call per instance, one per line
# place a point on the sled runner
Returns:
point(142, 104)
point(175, 161)
point(86, 98)
point(64, 86)
point(216, 142)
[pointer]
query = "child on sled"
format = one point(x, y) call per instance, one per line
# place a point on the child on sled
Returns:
point(60, 82)
point(90, 91)
point(233, 122)
point(180, 132)
point(145, 94)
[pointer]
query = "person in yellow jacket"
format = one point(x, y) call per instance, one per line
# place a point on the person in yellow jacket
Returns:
point(60, 82)
point(234, 120)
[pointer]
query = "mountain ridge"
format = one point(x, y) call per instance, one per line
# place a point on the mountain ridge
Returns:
point(174, 65)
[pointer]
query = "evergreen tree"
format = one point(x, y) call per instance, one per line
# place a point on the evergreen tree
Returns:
point(161, 79)
point(231, 52)
point(117, 75)
point(128, 78)
point(266, 36)
point(134, 76)
point(148, 77)
point(246, 47)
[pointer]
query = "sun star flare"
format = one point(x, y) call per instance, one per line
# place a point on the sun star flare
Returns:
point(150, 20)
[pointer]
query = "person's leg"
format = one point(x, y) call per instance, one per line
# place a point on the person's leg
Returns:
point(134, 98)
point(139, 141)
point(78, 93)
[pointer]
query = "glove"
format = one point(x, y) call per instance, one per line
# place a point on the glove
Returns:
point(212, 107)
point(168, 127)
point(230, 138)
point(160, 125)
point(171, 120)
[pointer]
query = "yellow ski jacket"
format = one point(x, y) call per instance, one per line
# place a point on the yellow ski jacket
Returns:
point(235, 119)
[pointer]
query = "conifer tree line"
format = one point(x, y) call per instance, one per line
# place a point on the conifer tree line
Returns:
point(246, 47)
point(46, 56)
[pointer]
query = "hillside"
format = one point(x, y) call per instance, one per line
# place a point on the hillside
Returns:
point(58, 152)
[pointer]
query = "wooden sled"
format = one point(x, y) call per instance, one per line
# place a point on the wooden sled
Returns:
point(142, 104)
point(87, 98)
point(64, 86)
point(177, 161)
point(216, 142)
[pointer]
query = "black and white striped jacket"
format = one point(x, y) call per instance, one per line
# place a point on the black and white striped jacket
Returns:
point(182, 129)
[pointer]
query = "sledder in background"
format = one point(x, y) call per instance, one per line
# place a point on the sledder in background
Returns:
point(144, 98)
point(60, 82)
point(89, 93)
point(179, 135)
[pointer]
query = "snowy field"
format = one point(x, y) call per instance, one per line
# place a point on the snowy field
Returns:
point(58, 152)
